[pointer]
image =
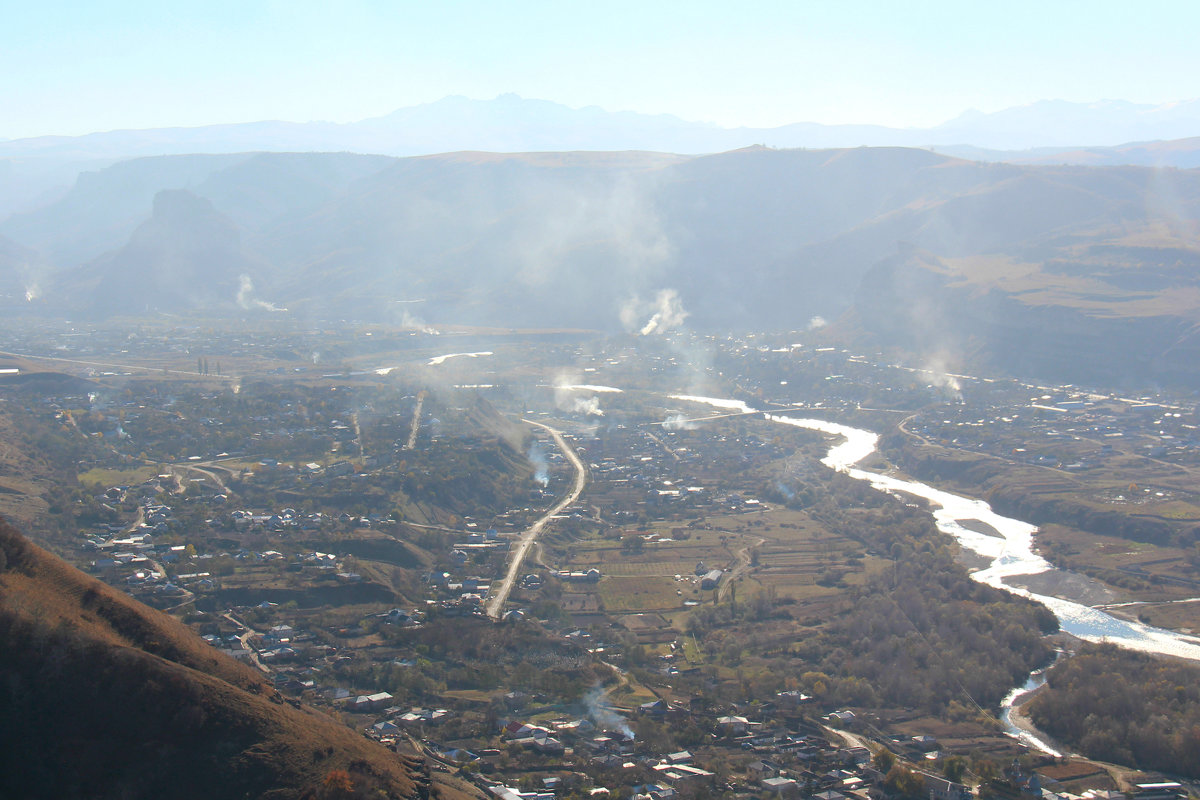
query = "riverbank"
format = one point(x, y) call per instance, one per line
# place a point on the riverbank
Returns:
point(1017, 717)
point(1005, 548)
point(1129, 532)
point(1012, 554)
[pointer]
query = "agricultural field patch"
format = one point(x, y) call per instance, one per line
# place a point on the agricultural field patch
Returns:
point(98, 477)
point(657, 568)
point(1134, 570)
point(621, 594)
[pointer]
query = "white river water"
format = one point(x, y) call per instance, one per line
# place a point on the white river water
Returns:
point(1011, 553)
point(436, 360)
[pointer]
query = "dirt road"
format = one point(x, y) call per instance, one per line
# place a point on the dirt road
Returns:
point(495, 603)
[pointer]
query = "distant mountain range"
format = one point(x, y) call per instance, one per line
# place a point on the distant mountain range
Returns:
point(36, 170)
point(967, 260)
point(1177, 153)
point(510, 123)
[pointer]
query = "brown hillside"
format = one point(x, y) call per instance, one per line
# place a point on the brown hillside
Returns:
point(101, 696)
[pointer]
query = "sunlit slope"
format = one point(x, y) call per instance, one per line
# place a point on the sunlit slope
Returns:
point(1121, 306)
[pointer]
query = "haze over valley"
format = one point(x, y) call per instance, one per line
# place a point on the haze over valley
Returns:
point(798, 402)
point(962, 261)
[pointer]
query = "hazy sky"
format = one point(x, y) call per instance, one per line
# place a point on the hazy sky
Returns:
point(72, 67)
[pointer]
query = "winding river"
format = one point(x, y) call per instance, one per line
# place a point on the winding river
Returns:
point(1011, 551)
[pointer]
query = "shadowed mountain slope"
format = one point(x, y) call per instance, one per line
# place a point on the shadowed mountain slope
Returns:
point(187, 257)
point(19, 268)
point(749, 239)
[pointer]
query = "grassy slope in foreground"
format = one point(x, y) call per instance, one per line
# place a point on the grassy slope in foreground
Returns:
point(101, 696)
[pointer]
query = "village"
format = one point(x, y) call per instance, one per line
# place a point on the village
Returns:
point(306, 538)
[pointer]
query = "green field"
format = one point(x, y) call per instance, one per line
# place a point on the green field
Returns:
point(116, 477)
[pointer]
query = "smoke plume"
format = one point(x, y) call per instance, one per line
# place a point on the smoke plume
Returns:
point(663, 314)
point(602, 714)
point(678, 422)
point(616, 219)
point(589, 406)
point(541, 468)
point(411, 322)
point(244, 299)
point(935, 371)
point(568, 397)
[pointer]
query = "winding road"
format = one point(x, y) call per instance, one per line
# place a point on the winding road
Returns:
point(495, 603)
point(743, 557)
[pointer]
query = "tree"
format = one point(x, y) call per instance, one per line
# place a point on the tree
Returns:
point(904, 782)
point(337, 785)
point(984, 767)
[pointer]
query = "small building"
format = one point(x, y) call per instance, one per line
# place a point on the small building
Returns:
point(783, 787)
point(1164, 790)
point(732, 724)
point(369, 702)
point(655, 708)
point(591, 576)
point(855, 755)
point(385, 728)
point(942, 789)
point(761, 770)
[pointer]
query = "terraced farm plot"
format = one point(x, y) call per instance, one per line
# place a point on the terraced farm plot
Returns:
point(1182, 615)
point(714, 548)
point(668, 569)
point(580, 602)
point(795, 556)
point(778, 549)
point(800, 588)
point(94, 478)
point(621, 594)
point(1179, 510)
point(1135, 570)
point(807, 560)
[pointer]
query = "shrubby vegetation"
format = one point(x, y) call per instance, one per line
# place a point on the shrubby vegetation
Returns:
point(923, 633)
point(1016, 499)
point(1116, 705)
point(920, 634)
point(473, 653)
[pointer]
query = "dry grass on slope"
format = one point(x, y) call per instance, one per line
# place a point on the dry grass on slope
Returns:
point(103, 697)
